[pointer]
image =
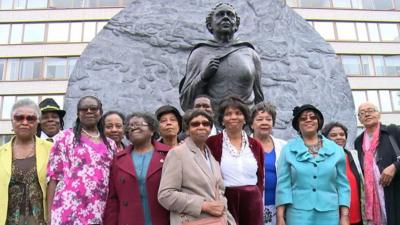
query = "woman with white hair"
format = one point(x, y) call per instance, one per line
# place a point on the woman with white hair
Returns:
point(23, 169)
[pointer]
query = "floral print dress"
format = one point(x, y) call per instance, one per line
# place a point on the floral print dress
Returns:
point(82, 171)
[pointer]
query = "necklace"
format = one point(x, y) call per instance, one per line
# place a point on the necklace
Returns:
point(314, 149)
point(97, 136)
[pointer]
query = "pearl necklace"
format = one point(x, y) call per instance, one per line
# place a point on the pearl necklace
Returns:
point(97, 136)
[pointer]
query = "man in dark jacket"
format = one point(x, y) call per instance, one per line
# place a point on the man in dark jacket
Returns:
point(381, 163)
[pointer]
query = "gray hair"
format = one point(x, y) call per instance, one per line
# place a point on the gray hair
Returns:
point(26, 102)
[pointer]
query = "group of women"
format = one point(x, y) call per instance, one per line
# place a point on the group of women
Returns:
point(91, 175)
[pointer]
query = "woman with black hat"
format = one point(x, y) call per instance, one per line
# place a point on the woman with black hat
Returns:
point(312, 187)
point(170, 125)
point(51, 121)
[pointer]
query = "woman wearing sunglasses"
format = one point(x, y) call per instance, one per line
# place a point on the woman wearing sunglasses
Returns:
point(312, 187)
point(135, 176)
point(23, 169)
point(191, 185)
point(79, 167)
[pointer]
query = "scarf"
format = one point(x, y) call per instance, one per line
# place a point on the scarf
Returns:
point(372, 201)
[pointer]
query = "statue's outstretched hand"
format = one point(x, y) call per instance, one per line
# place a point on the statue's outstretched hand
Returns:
point(211, 69)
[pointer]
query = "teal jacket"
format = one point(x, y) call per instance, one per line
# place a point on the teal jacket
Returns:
point(309, 183)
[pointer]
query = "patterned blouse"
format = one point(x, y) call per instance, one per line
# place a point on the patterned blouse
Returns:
point(82, 172)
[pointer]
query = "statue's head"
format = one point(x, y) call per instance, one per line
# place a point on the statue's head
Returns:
point(223, 18)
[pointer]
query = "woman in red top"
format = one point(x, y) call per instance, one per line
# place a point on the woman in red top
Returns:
point(337, 132)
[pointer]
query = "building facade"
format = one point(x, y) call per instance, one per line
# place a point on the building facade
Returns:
point(41, 40)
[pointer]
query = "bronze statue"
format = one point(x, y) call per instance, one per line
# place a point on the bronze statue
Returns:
point(223, 66)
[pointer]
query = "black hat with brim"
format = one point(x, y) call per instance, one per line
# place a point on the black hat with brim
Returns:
point(300, 109)
point(49, 105)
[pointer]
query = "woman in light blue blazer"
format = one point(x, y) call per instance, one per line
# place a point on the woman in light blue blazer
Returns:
point(312, 187)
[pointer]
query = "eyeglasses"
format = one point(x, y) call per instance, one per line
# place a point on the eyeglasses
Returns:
point(137, 125)
point(197, 124)
point(29, 118)
point(305, 118)
point(362, 113)
point(86, 108)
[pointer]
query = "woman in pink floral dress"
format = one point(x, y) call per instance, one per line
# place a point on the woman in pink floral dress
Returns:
point(78, 169)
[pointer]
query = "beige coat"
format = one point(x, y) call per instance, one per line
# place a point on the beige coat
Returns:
point(187, 181)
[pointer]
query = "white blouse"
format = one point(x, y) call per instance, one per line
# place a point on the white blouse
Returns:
point(239, 168)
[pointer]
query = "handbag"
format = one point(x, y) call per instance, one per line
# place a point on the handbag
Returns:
point(209, 220)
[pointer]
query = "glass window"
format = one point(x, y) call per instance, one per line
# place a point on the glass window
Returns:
point(373, 32)
point(56, 68)
point(361, 4)
point(392, 65)
point(71, 64)
point(373, 97)
point(379, 65)
point(325, 29)
point(100, 26)
point(346, 31)
point(89, 31)
point(362, 32)
point(386, 104)
point(4, 33)
point(383, 4)
point(341, 3)
point(351, 64)
point(4, 138)
point(76, 32)
point(2, 67)
point(19, 4)
point(314, 3)
point(106, 3)
point(359, 97)
point(31, 68)
point(34, 32)
point(389, 32)
point(6, 4)
point(8, 102)
point(367, 65)
point(35, 99)
point(397, 4)
point(12, 69)
point(58, 32)
point(16, 33)
point(396, 100)
point(37, 4)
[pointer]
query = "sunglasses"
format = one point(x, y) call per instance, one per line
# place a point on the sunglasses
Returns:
point(305, 118)
point(197, 124)
point(87, 108)
point(29, 118)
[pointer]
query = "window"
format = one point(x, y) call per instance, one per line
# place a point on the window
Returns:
point(389, 32)
point(37, 4)
point(56, 68)
point(8, 102)
point(379, 65)
point(341, 3)
point(58, 32)
point(2, 68)
point(396, 100)
point(314, 3)
point(4, 33)
point(325, 29)
point(386, 105)
point(382, 4)
point(100, 26)
point(31, 69)
point(392, 64)
point(4, 138)
point(58, 98)
point(359, 98)
point(34, 32)
point(16, 33)
point(12, 69)
point(373, 32)
point(6, 4)
point(373, 98)
point(89, 31)
point(367, 65)
point(351, 65)
point(19, 4)
point(76, 32)
point(346, 31)
point(362, 32)
point(397, 4)
point(71, 65)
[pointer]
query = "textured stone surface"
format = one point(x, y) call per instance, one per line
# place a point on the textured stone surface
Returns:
point(137, 61)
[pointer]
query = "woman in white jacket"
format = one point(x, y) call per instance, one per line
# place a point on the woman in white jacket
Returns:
point(263, 117)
